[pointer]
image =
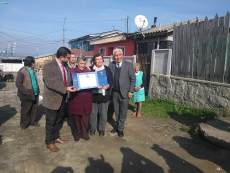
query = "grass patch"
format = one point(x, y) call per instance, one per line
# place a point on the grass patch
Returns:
point(185, 128)
point(164, 108)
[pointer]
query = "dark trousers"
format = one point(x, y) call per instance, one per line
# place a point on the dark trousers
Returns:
point(120, 107)
point(81, 126)
point(54, 123)
point(28, 113)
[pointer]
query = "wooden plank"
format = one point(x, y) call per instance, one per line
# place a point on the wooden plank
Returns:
point(186, 53)
point(224, 46)
point(191, 52)
point(140, 60)
point(144, 62)
point(200, 47)
point(173, 62)
point(214, 47)
point(196, 33)
point(209, 69)
point(180, 51)
point(226, 30)
point(220, 58)
point(204, 50)
point(177, 57)
point(183, 47)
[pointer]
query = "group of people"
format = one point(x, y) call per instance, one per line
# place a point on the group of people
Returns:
point(81, 107)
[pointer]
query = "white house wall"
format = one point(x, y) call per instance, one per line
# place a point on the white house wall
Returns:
point(11, 67)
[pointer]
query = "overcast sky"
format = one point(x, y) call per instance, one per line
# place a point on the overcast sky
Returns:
point(38, 24)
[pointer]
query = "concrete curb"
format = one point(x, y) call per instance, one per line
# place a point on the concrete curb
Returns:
point(217, 132)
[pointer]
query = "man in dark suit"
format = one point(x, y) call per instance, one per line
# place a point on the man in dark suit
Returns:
point(56, 79)
point(123, 88)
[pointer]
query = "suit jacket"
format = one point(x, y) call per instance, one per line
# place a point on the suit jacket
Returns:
point(54, 89)
point(127, 77)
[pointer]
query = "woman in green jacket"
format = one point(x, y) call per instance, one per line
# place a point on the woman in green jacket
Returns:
point(139, 90)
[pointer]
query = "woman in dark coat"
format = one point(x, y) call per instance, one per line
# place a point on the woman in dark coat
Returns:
point(80, 105)
point(100, 101)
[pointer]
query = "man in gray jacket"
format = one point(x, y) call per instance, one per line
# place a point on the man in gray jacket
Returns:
point(123, 88)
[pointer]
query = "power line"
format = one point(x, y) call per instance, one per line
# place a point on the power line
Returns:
point(61, 22)
point(28, 38)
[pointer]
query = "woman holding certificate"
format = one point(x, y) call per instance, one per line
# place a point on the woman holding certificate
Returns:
point(100, 96)
point(80, 104)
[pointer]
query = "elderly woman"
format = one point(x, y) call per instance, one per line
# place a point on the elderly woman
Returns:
point(100, 101)
point(28, 92)
point(80, 105)
point(139, 91)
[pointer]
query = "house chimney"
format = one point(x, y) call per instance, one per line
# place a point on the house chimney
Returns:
point(154, 24)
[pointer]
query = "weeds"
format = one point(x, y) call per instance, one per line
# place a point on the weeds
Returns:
point(164, 108)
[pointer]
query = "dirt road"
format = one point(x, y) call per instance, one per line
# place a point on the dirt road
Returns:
point(150, 145)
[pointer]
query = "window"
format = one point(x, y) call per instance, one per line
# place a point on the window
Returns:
point(102, 51)
point(122, 48)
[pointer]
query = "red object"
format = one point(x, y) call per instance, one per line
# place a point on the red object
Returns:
point(81, 126)
point(80, 102)
point(109, 47)
point(65, 81)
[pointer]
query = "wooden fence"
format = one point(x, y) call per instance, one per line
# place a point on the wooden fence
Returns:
point(145, 63)
point(201, 50)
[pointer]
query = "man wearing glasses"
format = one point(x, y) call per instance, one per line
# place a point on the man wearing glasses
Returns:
point(56, 79)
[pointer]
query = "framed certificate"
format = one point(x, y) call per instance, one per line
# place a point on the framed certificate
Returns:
point(85, 80)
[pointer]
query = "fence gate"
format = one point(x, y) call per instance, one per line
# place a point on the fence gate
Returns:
point(144, 53)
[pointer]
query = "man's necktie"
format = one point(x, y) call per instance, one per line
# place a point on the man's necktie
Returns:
point(63, 69)
point(118, 65)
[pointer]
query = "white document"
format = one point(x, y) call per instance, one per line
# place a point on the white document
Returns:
point(40, 97)
point(88, 80)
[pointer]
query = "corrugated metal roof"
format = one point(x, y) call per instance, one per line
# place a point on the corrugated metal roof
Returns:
point(97, 35)
point(11, 58)
point(166, 28)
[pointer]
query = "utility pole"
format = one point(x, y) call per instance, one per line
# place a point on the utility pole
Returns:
point(127, 23)
point(63, 34)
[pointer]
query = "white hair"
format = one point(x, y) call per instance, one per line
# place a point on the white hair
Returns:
point(136, 64)
point(117, 49)
point(81, 58)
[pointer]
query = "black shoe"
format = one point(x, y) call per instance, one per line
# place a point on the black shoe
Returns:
point(114, 130)
point(120, 133)
point(92, 132)
point(87, 138)
point(101, 133)
point(77, 139)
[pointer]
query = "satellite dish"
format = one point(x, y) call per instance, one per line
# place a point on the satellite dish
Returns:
point(141, 22)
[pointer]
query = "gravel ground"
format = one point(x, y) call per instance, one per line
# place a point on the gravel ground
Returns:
point(150, 145)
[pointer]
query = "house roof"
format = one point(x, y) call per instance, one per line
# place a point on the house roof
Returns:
point(97, 36)
point(11, 58)
point(109, 39)
point(166, 28)
point(41, 56)
point(162, 29)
